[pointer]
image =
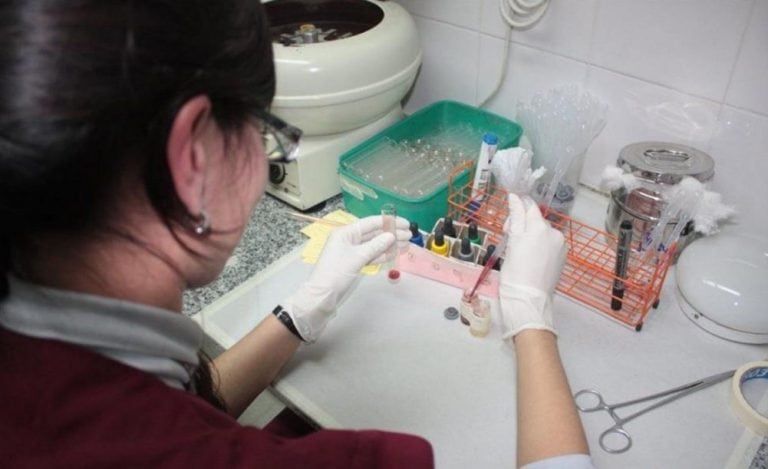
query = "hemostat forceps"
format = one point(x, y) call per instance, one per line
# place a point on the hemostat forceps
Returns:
point(589, 400)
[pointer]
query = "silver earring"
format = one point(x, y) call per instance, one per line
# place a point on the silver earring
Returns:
point(202, 226)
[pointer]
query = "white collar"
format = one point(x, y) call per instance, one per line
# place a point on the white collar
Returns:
point(158, 341)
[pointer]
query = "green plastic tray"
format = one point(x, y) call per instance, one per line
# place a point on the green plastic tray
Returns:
point(361, 198)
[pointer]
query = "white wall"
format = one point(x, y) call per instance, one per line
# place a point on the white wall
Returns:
point(688, 71)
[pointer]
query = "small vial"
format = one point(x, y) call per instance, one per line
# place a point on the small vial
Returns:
point(475, 313)
point(388, 213)
point(480, 319)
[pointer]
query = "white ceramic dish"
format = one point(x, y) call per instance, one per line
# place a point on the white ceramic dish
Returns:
point(722, 286)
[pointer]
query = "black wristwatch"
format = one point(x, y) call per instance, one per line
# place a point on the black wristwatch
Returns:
point(283, 316)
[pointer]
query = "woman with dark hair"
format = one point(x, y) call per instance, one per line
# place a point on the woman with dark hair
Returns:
point(134, 138)
point(132, 152)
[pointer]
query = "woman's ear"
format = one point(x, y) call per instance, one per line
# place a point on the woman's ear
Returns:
point(186, 152)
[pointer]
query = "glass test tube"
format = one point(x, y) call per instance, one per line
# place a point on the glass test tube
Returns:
point(397, 169)
point(361, 165)
point(389, 213)
point(415, 164)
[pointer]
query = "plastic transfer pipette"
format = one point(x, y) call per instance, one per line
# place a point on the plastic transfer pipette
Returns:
point(489, 264)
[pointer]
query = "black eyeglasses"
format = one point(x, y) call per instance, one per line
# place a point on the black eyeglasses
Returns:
point(280, 139)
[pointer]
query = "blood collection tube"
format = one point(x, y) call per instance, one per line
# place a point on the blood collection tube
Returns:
point(483, 170)
point(389, 213)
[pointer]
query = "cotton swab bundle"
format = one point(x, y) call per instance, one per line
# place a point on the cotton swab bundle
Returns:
point(689, 200)
point(709, 208)
point(681, 204)
point(614, 178)
point(711, 211)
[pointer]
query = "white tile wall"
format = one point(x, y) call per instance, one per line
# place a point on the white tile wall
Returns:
point(490, 21)
point(449, 66)
point(688, 71)
point(686, 45)
point(749, 85)
point(566, 28)
point(464, 13)
point(529, 70)
point(740, 149)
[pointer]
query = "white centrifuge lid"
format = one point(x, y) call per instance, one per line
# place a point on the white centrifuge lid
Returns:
point(332, 87)
point(722, 285)
point(350, 69)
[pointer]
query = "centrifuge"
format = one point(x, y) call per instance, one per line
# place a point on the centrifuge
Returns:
point(343, 67)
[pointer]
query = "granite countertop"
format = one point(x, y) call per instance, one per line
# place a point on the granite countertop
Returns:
point(270, 235)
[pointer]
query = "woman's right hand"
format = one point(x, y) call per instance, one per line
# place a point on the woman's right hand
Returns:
point(533, 261)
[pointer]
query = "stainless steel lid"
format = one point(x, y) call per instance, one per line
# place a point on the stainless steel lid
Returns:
point(665, 162)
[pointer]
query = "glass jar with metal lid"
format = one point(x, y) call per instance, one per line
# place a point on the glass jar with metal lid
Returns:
point(658, 166)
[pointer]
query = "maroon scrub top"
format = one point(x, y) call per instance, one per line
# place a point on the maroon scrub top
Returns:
point(64, 406)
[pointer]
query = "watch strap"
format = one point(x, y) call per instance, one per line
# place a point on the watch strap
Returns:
point(282, 315)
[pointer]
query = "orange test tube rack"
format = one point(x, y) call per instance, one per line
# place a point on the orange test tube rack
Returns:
point(589, 272)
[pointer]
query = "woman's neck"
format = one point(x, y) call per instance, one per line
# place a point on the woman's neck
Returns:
point(109, 265)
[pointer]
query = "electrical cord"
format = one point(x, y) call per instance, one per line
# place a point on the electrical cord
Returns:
point(522, 13)
point(517, 14)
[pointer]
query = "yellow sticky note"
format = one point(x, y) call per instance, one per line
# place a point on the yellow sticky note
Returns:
point(318, 234)
point(372, 269)
point(340, 216)
point(317, 230)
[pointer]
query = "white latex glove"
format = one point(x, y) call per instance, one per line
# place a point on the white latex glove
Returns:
point(348, 249)
point(533, 260)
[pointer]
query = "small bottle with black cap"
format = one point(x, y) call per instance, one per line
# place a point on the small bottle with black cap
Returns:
point(448, 228)
point(416, 236)
point(465, 251)
point(488, 253)
point(438, 244)
point(474, 234)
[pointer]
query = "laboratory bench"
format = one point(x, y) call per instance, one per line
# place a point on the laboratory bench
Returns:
point(391, 361)
point(270, 235)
